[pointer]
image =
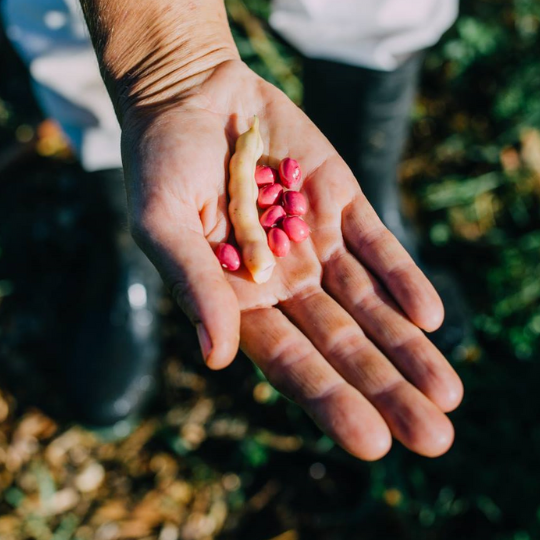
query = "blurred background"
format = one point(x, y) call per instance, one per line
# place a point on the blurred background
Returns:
point(222, 455)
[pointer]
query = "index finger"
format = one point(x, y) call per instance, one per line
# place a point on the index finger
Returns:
point(379, 250)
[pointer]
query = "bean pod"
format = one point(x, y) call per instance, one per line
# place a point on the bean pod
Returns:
point(243, 213)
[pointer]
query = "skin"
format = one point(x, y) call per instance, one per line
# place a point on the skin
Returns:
point(337, 328)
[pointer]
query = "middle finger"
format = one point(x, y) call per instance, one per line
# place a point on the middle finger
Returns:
point(413, 419)
point(404, 343)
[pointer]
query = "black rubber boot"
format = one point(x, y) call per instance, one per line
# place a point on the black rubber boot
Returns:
point(112, 372)
point(365, 114)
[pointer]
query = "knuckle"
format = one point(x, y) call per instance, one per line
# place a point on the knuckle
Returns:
point(346, 342)
point(377, 236)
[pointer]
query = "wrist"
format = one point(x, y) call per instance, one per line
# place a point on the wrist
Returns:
point(154, 53)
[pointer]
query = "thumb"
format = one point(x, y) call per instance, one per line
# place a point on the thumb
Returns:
point(192, 272)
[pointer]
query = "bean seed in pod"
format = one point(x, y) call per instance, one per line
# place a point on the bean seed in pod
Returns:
point(265, 176)
point(290, 173)
point(294, 203)
point(272, 216)
point(269, 195)
point(279, 242)
point(228, 256)
point(297, 229)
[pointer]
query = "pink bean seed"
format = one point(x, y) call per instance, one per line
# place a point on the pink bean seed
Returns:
point(289, 172)
point(294, 203)
point(228, 256)
point(297, 229)
point(269, 195)
point(265, 176)
point(272, 216)
point(278, 242)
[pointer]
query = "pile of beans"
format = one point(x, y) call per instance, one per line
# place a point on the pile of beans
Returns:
point(282, 208)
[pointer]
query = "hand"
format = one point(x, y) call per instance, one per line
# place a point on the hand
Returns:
point(337, 328)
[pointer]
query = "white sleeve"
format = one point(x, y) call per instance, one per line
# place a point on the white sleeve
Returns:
point(378, 34)
point(51, 37)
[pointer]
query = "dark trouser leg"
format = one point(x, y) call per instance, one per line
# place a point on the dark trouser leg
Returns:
point(365, 114)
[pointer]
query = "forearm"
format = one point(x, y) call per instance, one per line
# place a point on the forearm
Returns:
point(153, 51)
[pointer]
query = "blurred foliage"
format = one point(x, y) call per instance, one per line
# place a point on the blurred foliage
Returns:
point(221, 455)
point(269, 57)
point(474, 166)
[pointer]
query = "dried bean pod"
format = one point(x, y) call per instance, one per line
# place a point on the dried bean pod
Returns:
point(243, 212)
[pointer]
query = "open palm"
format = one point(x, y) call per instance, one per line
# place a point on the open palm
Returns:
point(337, 327)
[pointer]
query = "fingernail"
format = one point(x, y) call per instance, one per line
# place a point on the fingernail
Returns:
point(204, 341)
